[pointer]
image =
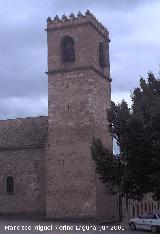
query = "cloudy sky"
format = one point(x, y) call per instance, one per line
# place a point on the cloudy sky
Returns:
point(134, 49)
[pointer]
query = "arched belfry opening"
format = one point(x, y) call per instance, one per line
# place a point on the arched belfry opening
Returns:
point(67, 49)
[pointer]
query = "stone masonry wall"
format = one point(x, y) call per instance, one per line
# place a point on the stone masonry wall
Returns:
point(79, 94)
point(86, 43)
point(26, 165)
point(70, 170)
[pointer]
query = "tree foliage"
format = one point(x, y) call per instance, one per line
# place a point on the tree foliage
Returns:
point(137, 132)
point(109, 168)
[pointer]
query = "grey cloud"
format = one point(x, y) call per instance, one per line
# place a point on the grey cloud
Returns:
point(134, 47)
point(23, 73)
point(123, 4)
point(16, 107)
point(23, 58)
point(64, 6)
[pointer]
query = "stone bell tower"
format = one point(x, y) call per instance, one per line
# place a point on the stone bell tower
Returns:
point(78, 94)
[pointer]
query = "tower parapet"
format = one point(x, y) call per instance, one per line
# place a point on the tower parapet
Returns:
point(72, 21)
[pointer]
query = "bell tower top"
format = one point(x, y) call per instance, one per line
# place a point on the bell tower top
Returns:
point(72, 21)
point(76, 43)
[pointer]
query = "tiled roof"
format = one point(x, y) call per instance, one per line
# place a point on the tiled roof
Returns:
point(23, 131)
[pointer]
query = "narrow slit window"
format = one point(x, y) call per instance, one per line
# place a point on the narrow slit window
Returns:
point(10, 184)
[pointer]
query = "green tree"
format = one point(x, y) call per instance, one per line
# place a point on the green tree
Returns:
point(137, 132)
point(109, 168)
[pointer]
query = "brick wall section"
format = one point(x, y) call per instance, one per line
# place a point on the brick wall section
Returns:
point(132, 208)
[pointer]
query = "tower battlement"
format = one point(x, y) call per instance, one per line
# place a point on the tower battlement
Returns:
point(72, 21)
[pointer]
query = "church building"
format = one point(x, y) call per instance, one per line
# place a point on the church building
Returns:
point(46, 164)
